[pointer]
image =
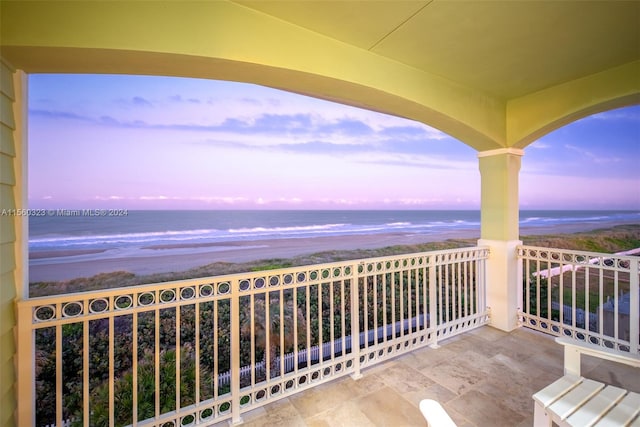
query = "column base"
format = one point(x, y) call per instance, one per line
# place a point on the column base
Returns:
point(503, 282)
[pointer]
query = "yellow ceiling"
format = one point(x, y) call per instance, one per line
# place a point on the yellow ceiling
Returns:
point(493, 74)
point(505, 49)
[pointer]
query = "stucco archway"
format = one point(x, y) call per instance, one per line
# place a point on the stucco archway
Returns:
point(495, 75)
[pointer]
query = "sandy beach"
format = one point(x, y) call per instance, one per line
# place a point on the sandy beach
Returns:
point(169, 258)
point(60, 265)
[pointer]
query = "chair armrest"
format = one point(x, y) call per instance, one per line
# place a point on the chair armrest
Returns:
point(573, 349)
point(435, 414)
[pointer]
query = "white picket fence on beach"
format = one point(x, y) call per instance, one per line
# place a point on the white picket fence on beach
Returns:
point(65, 423)
point(555, 271)
point(567, 315)
point(224, 379)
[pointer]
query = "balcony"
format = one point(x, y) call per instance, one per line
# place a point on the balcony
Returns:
point(60, 357)
point(482, 377)
point(357, 342)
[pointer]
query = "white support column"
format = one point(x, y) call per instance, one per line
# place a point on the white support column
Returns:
point(504, 274)
point(499, 170)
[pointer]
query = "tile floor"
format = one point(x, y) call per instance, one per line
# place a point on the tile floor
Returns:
point(482, 378)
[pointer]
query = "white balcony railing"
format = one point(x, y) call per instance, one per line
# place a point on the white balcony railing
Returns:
point(206, 350)
point(588, 296)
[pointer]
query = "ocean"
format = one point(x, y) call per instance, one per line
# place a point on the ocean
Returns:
point(90, 230)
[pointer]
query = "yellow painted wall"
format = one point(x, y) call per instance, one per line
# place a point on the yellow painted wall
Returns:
point(10, 232)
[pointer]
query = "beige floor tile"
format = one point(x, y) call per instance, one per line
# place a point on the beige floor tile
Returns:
point(514, 349)
point(435, 392)
point(513, 391)
point(615, 374)
point(547, 356)
point(368, 383)
point(348, 414)
point(322, 397)
point(380, 367)
point(589, 363)
point(460, 343)
point(534, 378)
point(457, 417)
point(482, 378)
point(455, 374)
point(425, 357)
point(477, 344)
point(256, 414)
point(535, 341)
point(491, 366)
point(386, 408)
point(489, 333)
point(280, 413)
point(483, 410)
point(404, 379)
point(527, 422)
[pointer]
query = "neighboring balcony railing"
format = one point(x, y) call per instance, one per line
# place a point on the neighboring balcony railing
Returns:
point(206, 350)
point(588, 296)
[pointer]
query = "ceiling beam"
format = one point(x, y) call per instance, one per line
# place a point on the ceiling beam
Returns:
point(533, 116)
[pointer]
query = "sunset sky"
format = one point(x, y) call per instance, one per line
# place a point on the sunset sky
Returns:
point(139, 142)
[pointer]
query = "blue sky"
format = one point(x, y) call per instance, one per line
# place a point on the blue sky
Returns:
point(141, 142)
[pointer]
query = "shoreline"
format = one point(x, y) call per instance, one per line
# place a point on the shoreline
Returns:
point(65, 253)
point(48, 266)
point(180, 257)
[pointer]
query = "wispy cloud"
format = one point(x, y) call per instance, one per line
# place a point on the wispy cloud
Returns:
point(321, 147)
point(390, 153)
point(539, 145)
point(251, 101)
point(416, 132)
point(311, 134)
point(217, 200)
point(179, 99)
point(141, 102)
point(271, 124)
point(110, 198)
point(58, 115)
point(310, 126)
point(619, 114)
point(592, 156)
point(423, 161)
point(197, 143)
point(155, 198)
point(134, 102)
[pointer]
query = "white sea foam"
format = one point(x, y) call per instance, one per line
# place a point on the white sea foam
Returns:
point(147, 228)
point(129, 237)
point(286, 229)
